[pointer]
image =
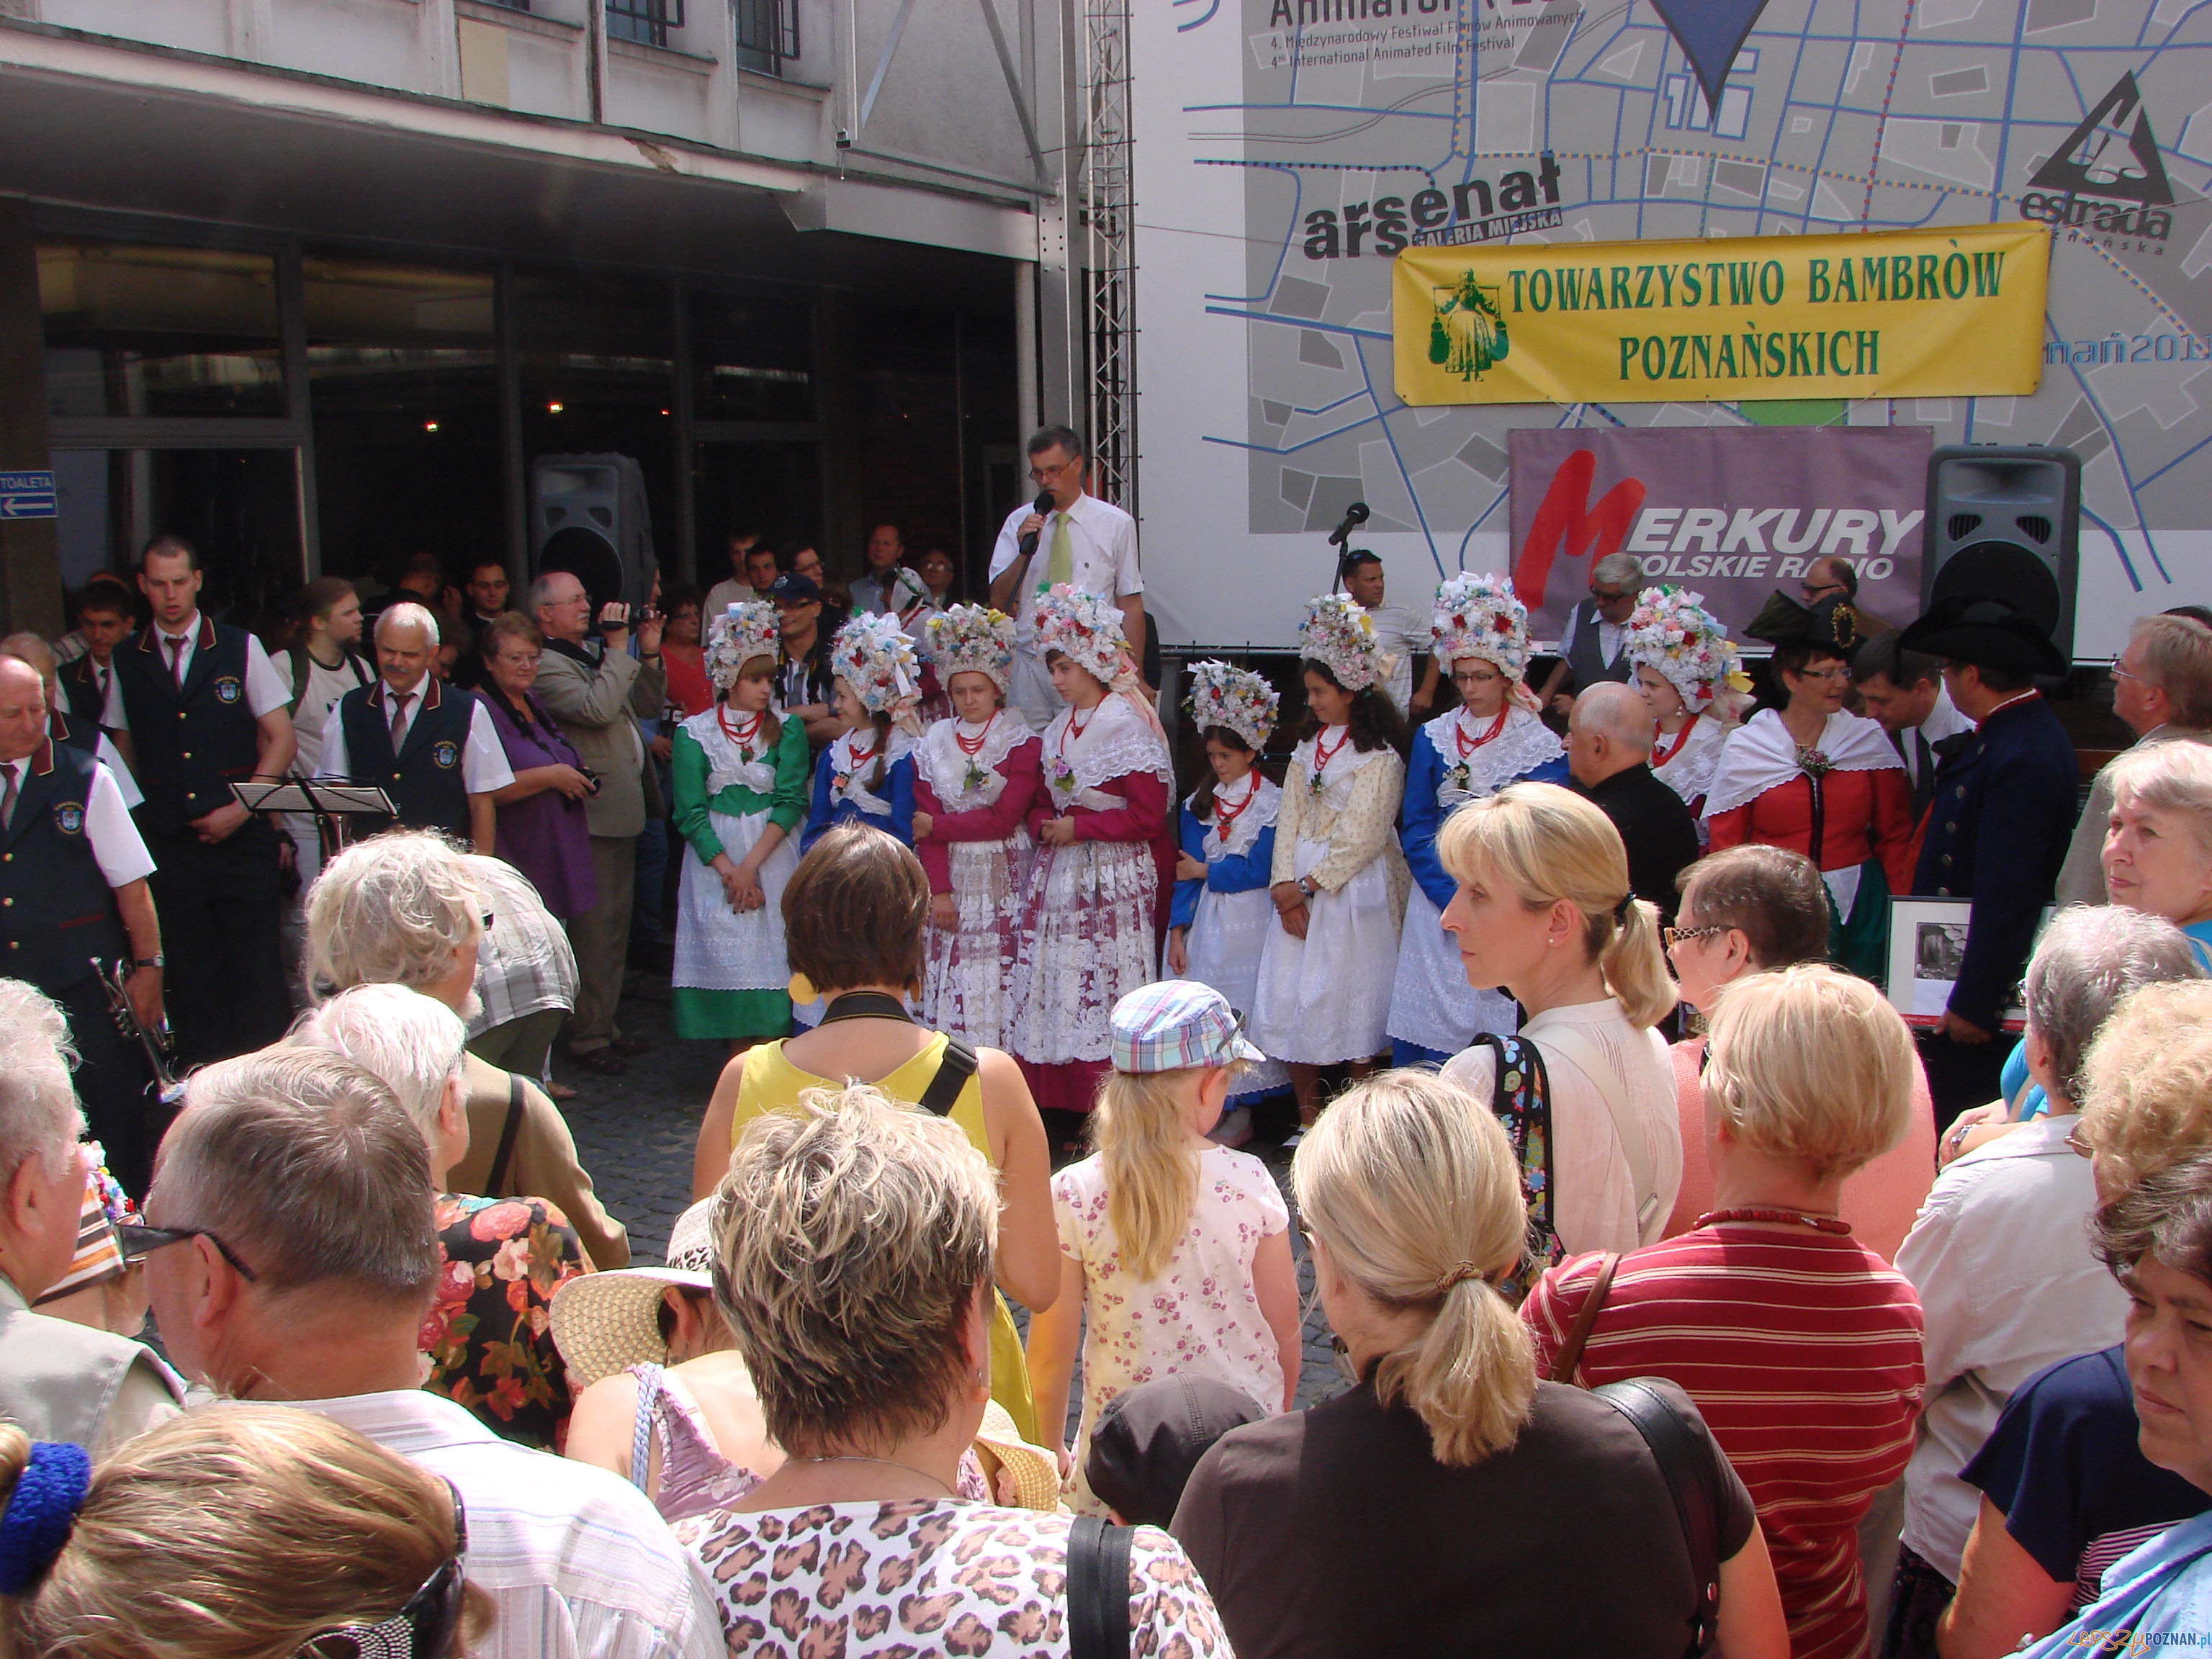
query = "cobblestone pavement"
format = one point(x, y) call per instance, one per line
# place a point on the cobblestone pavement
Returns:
point(636, 1134)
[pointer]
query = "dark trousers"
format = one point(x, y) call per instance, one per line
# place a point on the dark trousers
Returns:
point(222, 912)
point(1961, 1074)
point(112, 1082)
point(1917, 1601)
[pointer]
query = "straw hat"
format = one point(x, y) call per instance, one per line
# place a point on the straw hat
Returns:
point(606, 1322)
point(1035, 1471)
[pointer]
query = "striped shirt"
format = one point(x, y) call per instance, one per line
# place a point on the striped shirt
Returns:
point(579, 1563)
point(1801, 1348)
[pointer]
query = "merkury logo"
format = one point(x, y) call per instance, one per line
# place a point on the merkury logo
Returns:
point(2112, 160)
point(1753, 543)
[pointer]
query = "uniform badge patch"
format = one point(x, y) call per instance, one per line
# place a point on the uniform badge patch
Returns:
point(69, 819)
point(446, 754)
point(228, 689)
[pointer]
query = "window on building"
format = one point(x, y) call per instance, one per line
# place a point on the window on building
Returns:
point(146, 331)
point(752, 358)
point(646, 21)
point(768, 34)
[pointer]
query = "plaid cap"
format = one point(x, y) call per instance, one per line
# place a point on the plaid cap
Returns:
point(1175, 1025)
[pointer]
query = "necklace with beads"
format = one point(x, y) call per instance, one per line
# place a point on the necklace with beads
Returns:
point(975, 745)
point(743, 735)
point(1225, 814)
point(1825, 1224)
point(1467, 746)
point(1675, 747)
point(1323, 754)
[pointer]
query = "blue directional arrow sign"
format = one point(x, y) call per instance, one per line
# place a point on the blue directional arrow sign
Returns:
point(27, 495)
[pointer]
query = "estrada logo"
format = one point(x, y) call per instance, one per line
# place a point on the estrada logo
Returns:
point(2115, 163)
point(1467, 333)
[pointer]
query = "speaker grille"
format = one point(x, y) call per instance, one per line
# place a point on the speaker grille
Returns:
point(2003, 570)
point(1962, 525)
point(2035, 526)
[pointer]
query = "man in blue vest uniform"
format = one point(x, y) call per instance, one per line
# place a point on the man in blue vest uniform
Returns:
point(103, 622)
point(1998, 825)
point(73, 900)
point(63, 725)
point(205, 710)
point(430, 745)
point(1593, 646)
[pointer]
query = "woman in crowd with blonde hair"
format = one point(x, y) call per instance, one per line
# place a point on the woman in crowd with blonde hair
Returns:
point(1544, 910)
point(1449, 1503)
point(857, 1246)
point(236, 1532)
point(1813, 1392)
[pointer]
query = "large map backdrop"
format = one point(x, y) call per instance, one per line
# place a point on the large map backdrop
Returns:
point(1279, 141)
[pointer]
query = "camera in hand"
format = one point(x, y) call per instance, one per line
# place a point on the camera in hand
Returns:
point(590, 777)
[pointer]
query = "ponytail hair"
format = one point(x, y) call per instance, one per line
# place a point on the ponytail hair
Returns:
point(1547, 844)
point(1410, 1186)
point(1151, 1173)
point(882, 725)
point(237, 1530)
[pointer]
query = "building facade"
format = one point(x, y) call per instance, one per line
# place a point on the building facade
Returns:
point(317, 283)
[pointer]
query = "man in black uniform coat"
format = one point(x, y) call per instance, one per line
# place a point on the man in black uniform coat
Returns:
point(205, 710)
point(74, 900)
point(1609, 738)
point(1998, 825)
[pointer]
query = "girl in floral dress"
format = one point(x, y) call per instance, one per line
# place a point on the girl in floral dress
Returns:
point(1686, 667)
point(976, 776)
point(1090, 926)
point(1339, 878)
point(1493, 739)
point(739, 776)
point(1222, 914)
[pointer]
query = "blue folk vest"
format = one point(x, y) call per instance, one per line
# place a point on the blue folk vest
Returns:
point(426, 780)
point(56, 912)
point(193, 744)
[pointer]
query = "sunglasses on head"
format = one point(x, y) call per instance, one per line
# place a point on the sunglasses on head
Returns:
point(424, 1628)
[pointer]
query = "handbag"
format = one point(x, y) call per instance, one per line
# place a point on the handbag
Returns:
point(1692, 1480)
point(1520, 1096)
point(1098, 1590)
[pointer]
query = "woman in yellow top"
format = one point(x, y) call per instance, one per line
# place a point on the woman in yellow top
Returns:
point(852, 916)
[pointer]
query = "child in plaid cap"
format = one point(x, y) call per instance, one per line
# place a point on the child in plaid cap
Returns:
point(1176, 1250)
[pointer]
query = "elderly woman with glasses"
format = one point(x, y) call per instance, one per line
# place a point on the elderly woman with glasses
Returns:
point(541, 828)
point(1819, 780)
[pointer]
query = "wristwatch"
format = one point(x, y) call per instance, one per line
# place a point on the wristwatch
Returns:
point(154, 961)
point(1308, 886)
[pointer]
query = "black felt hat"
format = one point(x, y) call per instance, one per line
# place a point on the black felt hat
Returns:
point(1986, 633)
point(1149, 1439)
point(1832, 625)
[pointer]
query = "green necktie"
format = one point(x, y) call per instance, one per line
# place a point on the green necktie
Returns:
point(1059, 566)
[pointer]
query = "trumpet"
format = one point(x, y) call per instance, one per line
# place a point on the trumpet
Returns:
point(156, 1044)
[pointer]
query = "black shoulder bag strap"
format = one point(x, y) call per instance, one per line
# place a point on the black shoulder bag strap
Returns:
point(508, 1131)
point(1687, 1468)
point(1098, 1590)
point(953, 1074)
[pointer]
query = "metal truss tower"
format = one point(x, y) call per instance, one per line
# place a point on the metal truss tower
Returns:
point(1105, 198)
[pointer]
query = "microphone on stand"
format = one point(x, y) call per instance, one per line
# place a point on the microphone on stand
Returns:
point(1354, 516)
point(1044, 503)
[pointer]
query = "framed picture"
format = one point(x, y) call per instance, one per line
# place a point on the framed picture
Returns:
point(1927, 944)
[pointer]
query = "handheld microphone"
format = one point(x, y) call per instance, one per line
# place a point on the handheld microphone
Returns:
point(1044, 503)
point(1354, 516)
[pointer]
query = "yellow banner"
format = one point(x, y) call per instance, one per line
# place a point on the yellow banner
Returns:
point(1954, 312)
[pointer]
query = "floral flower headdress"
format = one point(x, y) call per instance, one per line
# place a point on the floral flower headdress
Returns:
point(873, 655)
point(973, 639)
point(1234, 697)
point(1085, 627)
point(740, 633)
point(1673, 632)
point(1477, 615)
point(1339, 635)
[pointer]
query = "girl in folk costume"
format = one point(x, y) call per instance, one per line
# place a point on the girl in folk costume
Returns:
point(739, 781)
point(866, 772)
point(1222, 914)
point(1091, 925)
point(1339, 879)
point(1493, 739)
point(976, 776)
point(1686, 667)
point(1820, 782)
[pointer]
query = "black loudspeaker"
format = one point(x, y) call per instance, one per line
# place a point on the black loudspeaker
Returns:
point(588, 516)
point(2005, 519)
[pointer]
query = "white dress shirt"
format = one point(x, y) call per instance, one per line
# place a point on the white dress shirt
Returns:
point(117, 847)
point(1944, 720)
point(579, 1564)
point(1103, 540)
point(265, 690)
point(2000, 1256)
point(1403, 636)
point(484, 759)
point(721, 596)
